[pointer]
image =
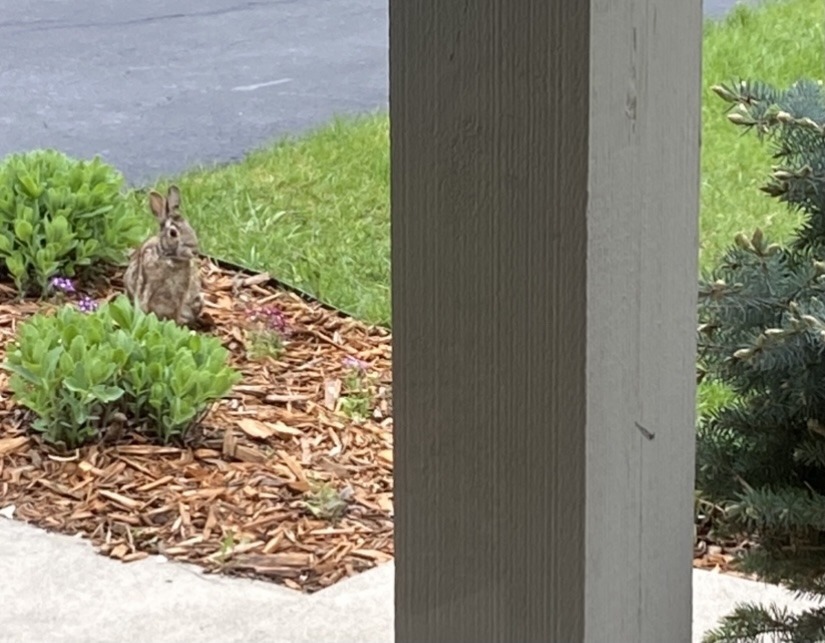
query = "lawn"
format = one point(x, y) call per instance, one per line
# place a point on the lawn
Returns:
point(777, 43)
point(314, 210)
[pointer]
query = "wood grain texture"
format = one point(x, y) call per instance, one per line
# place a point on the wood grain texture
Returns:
point(642, 282)
point(522, 354)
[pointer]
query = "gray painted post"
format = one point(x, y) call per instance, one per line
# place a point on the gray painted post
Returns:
point(545, 176)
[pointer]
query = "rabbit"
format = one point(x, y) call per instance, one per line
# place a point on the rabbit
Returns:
point(163, 275)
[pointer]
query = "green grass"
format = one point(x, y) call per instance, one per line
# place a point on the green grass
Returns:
point(778, 43)
point(312, 211)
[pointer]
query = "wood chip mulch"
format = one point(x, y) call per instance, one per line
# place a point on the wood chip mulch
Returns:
point(279, 483)
point(239, 500)
point(716, 554)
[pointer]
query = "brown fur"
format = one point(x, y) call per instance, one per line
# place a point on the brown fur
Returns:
point(163, 274)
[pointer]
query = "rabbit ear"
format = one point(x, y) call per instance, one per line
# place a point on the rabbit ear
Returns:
point(158, 204)
point(173, 198)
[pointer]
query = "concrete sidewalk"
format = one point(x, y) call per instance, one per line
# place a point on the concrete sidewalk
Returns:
point(57, 589)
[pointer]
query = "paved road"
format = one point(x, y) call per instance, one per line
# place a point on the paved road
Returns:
point(718, 8)
point(155, 87)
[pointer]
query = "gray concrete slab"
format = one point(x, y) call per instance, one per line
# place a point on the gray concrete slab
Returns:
point(714, 595)
point(57, 589)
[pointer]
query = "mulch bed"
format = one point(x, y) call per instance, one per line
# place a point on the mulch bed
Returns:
point(716, 554)
point(238, 500)
point(720, 559)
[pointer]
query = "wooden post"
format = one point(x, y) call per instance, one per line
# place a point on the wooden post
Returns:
point(545, 179)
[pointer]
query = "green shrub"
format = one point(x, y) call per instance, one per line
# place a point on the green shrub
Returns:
point(78, 371)
point(761, 450)
point(61, 215)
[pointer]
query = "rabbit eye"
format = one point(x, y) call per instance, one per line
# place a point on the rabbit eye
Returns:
point(173, 232)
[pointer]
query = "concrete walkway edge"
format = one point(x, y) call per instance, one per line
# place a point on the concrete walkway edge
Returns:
point(56, 588)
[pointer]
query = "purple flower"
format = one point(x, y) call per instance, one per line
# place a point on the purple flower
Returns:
point(353, 362)
point(87, 304)
point(271, 316)
point(62, 283)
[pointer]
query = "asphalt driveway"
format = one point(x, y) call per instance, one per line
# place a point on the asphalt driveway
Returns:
point(155, 87)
